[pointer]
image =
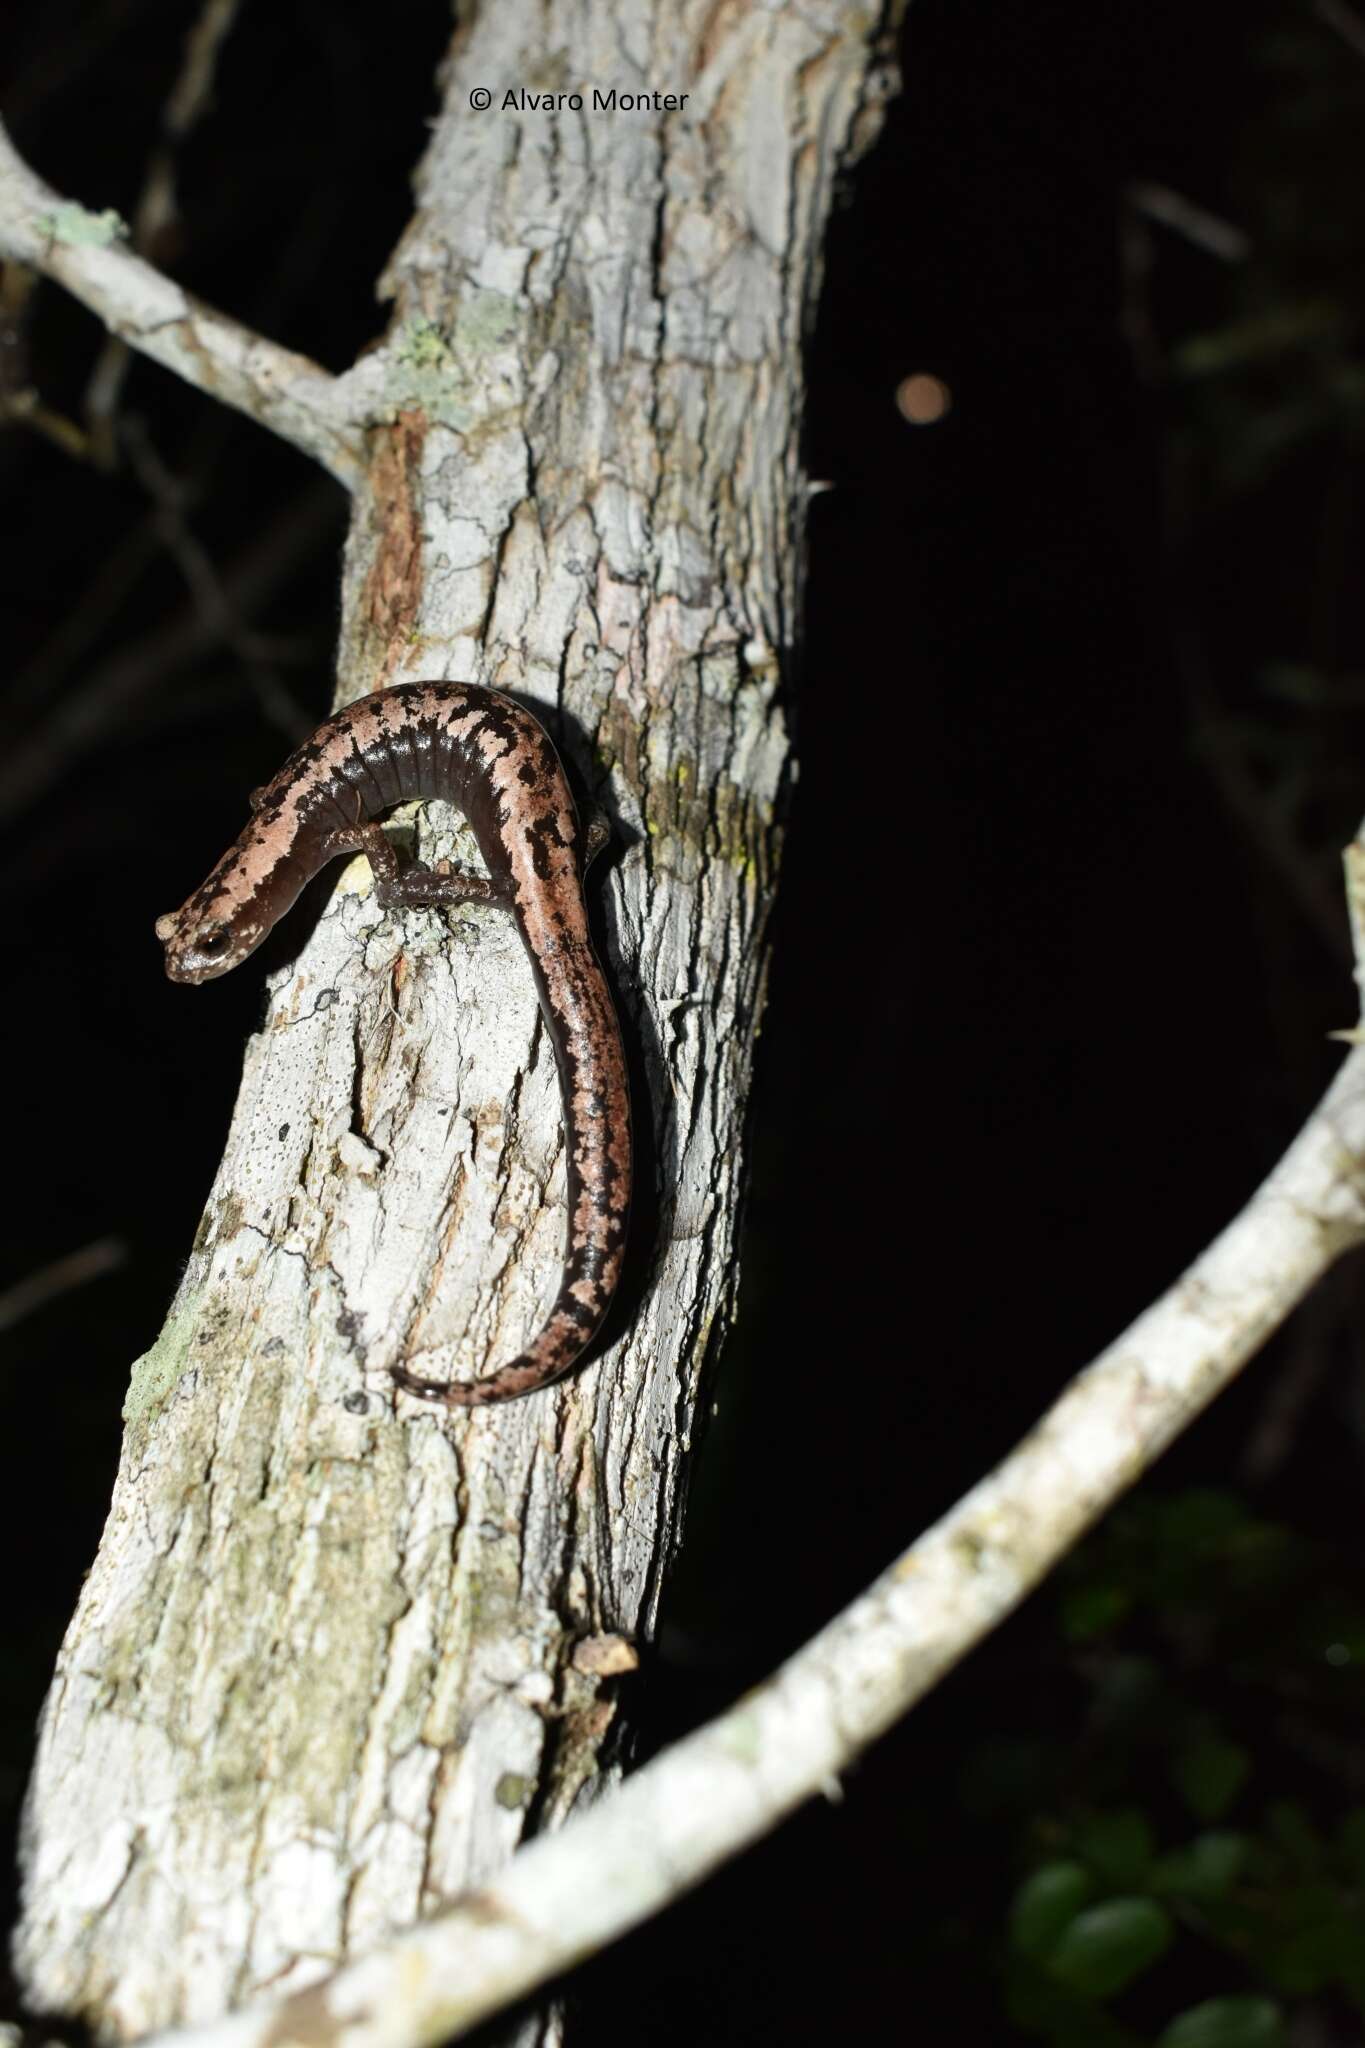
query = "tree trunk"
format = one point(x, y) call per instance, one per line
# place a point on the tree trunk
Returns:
point(337, 1653)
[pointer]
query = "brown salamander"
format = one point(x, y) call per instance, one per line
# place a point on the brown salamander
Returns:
point(476, 749)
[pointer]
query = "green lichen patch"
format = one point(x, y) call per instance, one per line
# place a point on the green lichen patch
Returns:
point(424, 376)
point(485, 320)
point(80, 229)
point(741, 1733)
point(439, 374)
point(157, 1373)
point(422, 345)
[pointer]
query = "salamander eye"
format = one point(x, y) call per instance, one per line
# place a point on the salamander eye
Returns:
point(215, 943)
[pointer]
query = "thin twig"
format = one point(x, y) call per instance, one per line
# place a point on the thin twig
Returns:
point(82, 717)
point(1266, 827)
point(1345, 21)
point(566, 1896)
point(19, 401)
point(84, 624)
point(122, 570)
point(285, 392)
point(158, 203)
point(1204, 230)
point(78, 52)
point(64, 1274)
point(1304, 1366)
point(221, 617)
point(27, 409)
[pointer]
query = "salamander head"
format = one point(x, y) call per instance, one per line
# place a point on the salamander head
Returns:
point(201, 945)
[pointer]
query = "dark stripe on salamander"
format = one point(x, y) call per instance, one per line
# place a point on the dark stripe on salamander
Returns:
point(483, 753)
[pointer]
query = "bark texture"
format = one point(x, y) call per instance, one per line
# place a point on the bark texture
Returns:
point(338, 1654)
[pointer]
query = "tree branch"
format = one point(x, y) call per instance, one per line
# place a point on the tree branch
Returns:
point(60, 1276)
point(566, 1896)
point(287, 393)
point(110, 689)
point(158, 204)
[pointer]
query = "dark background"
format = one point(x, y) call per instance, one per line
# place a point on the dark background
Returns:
point(1050, 991)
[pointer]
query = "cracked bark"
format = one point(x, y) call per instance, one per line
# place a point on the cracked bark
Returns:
point(335, 1658)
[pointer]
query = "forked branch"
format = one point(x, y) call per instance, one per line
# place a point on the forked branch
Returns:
point(291, 395)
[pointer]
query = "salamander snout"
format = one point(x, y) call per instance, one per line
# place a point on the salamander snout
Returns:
point(199, 952)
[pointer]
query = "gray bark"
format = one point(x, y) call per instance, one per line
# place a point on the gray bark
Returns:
point(337, 1655)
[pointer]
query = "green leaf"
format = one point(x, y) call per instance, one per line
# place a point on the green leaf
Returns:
point(1227, 2023)
point(1351, 1841)
point(1312, 1957)
point(1209, 1773)
point(1117, 1846)
point(1296, 683)
point(1289, 1827)
point(1205, 1869)
point(1127, 1691)
point(1045, 1905)
point(1272, 334)
point(1005, 1775)
point(1037, 2004)
point(1089, 1611)
point(1107, 1946)
point(1351, 1969)
point(1199, 1520)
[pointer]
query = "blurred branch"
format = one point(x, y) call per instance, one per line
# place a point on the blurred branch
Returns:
point(18, 399)
point(34, 1292)
point(565, 1896)
point(1345, 21)
point(86, 618)
point(28, 410)
point(1204, 230)
point(158, 207)
point(1265, 824)
point(221, 616)
point(102, 700)
point(284, 392)
point(1304, 1365)
point(1207, 231)
point(80, 51)
point(120, 572)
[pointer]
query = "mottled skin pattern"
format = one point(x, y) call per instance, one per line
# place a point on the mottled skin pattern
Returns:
point(481, 752)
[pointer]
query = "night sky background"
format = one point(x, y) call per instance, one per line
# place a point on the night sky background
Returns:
point(1046, 1009)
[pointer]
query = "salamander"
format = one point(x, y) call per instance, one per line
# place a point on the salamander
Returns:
point(478, 750)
